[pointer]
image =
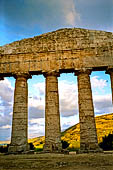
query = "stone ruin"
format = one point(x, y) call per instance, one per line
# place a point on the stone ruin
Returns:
point(72, 50)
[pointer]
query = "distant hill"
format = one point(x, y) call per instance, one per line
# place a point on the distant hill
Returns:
point(104, 125)
point(4, 143)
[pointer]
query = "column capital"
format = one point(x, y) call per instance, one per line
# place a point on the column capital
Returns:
point(22, 75)
point(109, 70)
point(83, 71)
point(1, 78)
point(52, 73)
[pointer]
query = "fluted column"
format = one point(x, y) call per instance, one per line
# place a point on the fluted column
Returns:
point(19, 136)
point(110, 72)
point(88, 134)
point(1, 78)
point(52, 115)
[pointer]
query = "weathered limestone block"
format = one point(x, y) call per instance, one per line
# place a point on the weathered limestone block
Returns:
point(19, 136)
point(88, 134)
point(52, 115)
point(64, 49)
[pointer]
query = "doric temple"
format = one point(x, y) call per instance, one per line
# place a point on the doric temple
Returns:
point(73, 50)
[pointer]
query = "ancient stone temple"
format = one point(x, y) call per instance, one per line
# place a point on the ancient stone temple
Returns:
point(75, 50)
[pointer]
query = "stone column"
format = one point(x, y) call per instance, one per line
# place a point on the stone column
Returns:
point(110, 72)
point(52, 115)
point(88, 134)
point(19, 136)
point(1, 78)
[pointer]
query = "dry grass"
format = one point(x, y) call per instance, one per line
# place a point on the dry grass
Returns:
point(57, 161)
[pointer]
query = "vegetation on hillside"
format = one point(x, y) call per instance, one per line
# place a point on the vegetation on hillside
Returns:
point(71, 136)
point(104, 125)
point(107, 142)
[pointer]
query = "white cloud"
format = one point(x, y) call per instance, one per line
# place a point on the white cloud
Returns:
point(11, 113)
point(68, 97)
point(6, 127)
point(37, 104)
point(68, 122)
point(39, 121)
point(6, 106)
point(40, 87)
point(6, 90)
point(36, 127)
point(70, 13)
point(103, 104)
point(98, 83)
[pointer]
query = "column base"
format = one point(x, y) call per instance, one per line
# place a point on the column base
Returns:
point(98, 150)
point(18, 148)
point(52, 148)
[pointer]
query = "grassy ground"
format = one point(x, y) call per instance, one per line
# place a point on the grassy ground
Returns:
point(57, 161)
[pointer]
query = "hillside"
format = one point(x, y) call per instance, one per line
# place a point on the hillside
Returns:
point(104, 125)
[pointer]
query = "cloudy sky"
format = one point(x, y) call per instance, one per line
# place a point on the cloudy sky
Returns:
point(27, 18)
